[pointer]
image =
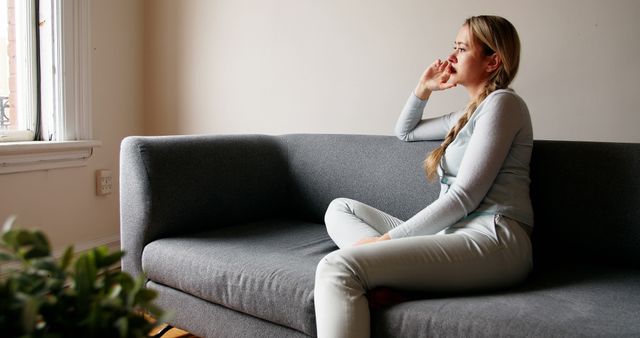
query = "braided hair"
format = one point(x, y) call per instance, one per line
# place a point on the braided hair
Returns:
point(495, 35)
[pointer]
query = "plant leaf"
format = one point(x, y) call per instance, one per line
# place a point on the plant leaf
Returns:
point(35, 300)
point(115, 291)
point(9, 223)
point(9, 238)
point(41, 243)
point(30, 313)
point(123, 327)
point(65, 262)
point(6, 257)
point(109, 260)
point(145, 296)
point(23, 237)
point(85, 278)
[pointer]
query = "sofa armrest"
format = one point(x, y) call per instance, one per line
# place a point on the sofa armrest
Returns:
point(174, 185)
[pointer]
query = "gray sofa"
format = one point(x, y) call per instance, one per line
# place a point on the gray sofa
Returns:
point(229, 230)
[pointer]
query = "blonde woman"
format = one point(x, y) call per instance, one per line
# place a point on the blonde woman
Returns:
point(475, 236)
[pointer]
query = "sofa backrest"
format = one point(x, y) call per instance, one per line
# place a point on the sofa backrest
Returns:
point(185, 184)
point(381, 171)
point(194, 182)
point(586, 199)
point(586, 195)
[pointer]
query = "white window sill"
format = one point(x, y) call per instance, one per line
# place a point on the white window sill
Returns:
point(30, 156)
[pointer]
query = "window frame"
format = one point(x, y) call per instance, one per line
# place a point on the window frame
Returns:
point(72, 145)
point(26, 62)
point(73, 30)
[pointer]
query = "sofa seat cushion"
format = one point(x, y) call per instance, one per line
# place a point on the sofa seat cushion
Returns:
point(264, 269)
point(569, 302)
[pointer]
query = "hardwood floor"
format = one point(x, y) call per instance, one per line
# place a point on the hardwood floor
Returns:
point(175, 333)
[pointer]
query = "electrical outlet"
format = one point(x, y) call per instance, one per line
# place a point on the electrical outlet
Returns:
point(104, 182)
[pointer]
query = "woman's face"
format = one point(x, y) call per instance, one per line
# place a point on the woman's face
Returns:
point(468, 62)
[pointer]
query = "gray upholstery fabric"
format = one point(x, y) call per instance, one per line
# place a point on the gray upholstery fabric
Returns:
point(381, 171)
point(205, 319)
point(264, 269)
point(567, 302)
point(174, 185)
point(586, 199)
point(231, 228)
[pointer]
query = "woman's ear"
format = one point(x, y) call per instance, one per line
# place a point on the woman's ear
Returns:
point(494, 62)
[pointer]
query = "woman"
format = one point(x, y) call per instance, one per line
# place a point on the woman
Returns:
point(475, 236)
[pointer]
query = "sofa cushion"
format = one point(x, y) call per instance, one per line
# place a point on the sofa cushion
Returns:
point(265, 269)
point(569, 302)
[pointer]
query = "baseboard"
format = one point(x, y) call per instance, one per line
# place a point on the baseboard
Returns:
point(111, 242)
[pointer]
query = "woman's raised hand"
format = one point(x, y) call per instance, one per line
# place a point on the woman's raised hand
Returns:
point(434, 78)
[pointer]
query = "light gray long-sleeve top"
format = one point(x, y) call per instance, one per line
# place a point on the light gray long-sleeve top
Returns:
point(484, 170)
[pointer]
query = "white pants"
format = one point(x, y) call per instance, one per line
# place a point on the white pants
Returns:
point(477, 253)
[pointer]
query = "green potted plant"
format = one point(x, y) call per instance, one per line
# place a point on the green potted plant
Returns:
point(41, 296)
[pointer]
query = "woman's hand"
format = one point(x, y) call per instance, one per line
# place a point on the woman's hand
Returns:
point(434, 78)
point(368, 240)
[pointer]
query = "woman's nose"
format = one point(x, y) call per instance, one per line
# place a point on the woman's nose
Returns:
point(452, 58)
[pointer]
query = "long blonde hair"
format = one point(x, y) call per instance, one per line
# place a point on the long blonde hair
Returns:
point(495, 35)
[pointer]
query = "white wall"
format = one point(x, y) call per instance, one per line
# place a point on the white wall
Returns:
point(338, 66)
point(347, 66)
point(62, 202)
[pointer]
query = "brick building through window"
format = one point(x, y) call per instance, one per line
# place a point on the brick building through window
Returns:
point(8, 82)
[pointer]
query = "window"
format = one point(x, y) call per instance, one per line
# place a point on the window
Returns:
point(18, 72)
point(44, 84)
